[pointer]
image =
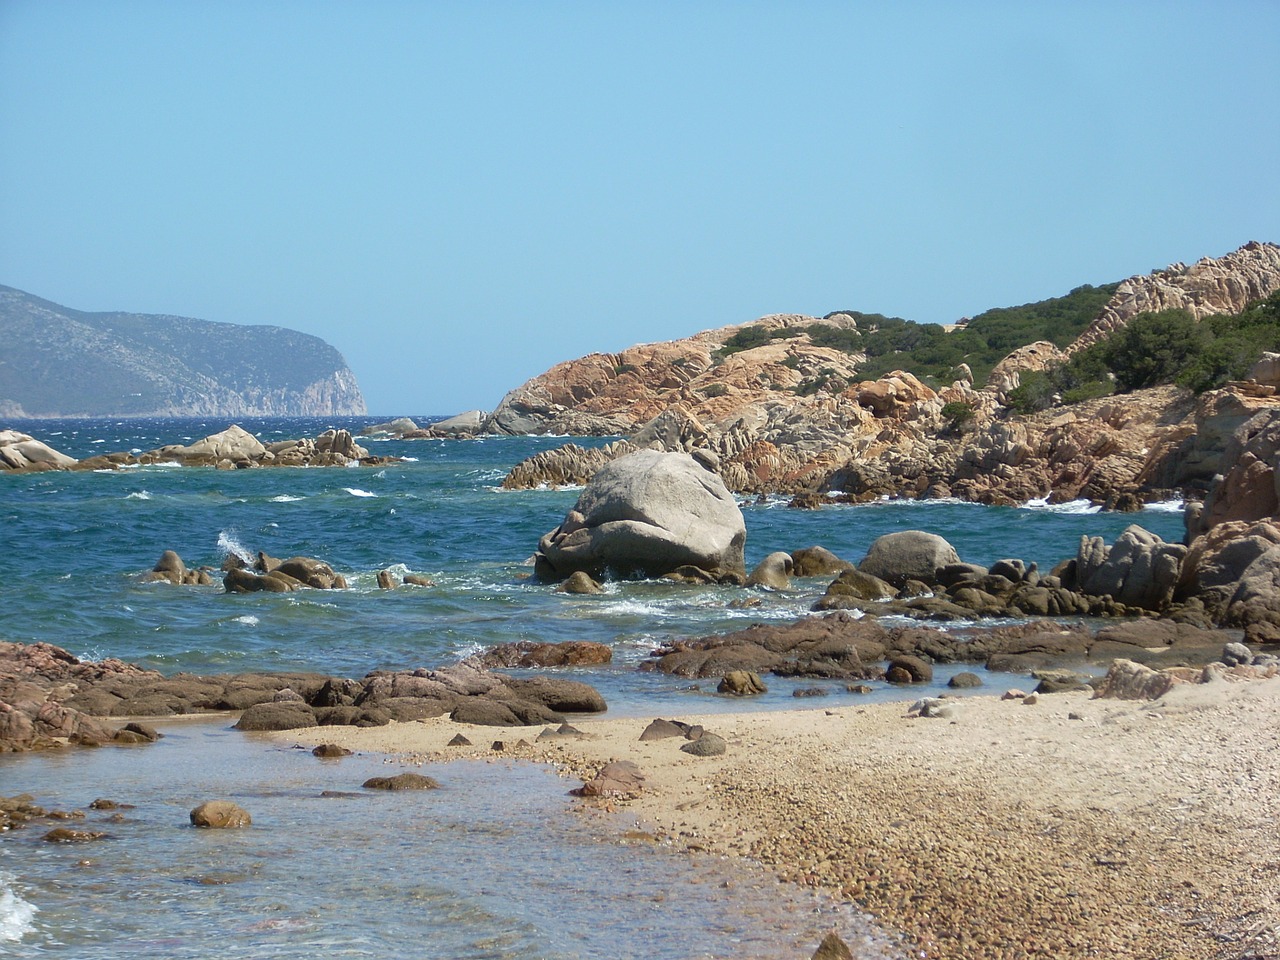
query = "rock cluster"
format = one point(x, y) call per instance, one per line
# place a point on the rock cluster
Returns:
point(231, 449)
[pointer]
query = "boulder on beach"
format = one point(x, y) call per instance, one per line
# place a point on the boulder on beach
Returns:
point(646, 515)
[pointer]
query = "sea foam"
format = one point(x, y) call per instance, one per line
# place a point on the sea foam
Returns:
point(17, 916)
point(1076, 507)
point(357, 492)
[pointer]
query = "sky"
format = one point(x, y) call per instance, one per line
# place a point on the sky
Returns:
point(459, 195)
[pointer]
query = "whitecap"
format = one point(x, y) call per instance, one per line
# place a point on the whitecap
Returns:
point(17, 916)
point(357, 492)
point(286, 498)
point(409, 459)
point(139, 495)
point(248, 619)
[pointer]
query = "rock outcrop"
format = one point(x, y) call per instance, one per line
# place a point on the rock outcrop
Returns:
point(49, 698)
point(143, 365)
point(20, 452)
point(1225, 284)
point(232, 448)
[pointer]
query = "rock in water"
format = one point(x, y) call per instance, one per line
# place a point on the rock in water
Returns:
point(647, 514)
point(221, 814)
point(403, 781)
point(773, 572)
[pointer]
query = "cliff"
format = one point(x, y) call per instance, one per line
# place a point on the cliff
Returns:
point(62, 362)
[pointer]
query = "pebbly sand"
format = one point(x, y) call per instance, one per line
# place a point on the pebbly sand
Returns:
point(1064, 827)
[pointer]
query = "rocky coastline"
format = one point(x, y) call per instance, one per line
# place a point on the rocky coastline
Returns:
point(231, 449)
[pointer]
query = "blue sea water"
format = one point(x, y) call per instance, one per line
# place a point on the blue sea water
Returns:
point(75, 545)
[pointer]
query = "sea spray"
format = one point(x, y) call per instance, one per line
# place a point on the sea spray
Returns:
point(230, 546)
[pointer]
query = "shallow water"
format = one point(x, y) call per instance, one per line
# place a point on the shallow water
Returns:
point(488, 867)
point(492, 865)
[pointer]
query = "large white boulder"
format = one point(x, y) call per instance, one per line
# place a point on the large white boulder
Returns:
point(20, 451)
point(645, 515)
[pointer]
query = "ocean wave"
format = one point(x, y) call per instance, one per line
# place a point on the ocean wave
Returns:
point(138, 495)
point(17, 916)
point(357, 492)
point(286, 498)
point(1073, 507)
point(247, 619)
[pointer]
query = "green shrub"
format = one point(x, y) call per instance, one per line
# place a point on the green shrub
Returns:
point(957, 413)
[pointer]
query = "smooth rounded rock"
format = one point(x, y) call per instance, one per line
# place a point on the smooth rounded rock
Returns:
point(220, 815)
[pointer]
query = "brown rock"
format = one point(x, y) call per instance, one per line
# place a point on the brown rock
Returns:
point(330, 751)
point(621, 777)
point(402, 781)
point(742, 683)
point(832, 948)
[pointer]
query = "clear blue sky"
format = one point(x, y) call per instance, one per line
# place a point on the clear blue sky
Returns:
point(459, 195)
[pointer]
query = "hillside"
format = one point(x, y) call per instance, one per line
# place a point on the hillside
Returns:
point(62, 362)
point(798, 370)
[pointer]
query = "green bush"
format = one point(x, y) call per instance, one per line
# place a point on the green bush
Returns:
point(756, 335)
point(957, 413)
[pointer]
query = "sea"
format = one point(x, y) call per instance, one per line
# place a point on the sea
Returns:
point(495, 864)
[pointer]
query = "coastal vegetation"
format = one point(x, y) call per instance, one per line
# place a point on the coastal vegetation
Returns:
point(1154, 349)
point(932, 352)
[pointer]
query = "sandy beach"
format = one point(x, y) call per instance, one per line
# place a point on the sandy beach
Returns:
point(1061, 826)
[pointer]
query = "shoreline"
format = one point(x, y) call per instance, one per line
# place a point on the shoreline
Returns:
point(1063, 827)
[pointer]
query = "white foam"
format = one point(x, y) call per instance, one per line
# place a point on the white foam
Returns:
point(1073, 507)
point(17, 916)
point(248, 619)
point(286, 498)
point(1166, 506)
point(357, 492)
point(139, 495)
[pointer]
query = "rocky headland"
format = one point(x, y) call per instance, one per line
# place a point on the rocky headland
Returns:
point(61, 362)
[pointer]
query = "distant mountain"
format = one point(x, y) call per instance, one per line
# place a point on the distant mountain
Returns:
point(55, 361)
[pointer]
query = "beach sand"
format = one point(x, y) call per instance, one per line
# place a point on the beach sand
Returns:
point(1063, 827)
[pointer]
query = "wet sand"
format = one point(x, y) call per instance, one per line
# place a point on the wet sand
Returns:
point(1065, 827)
